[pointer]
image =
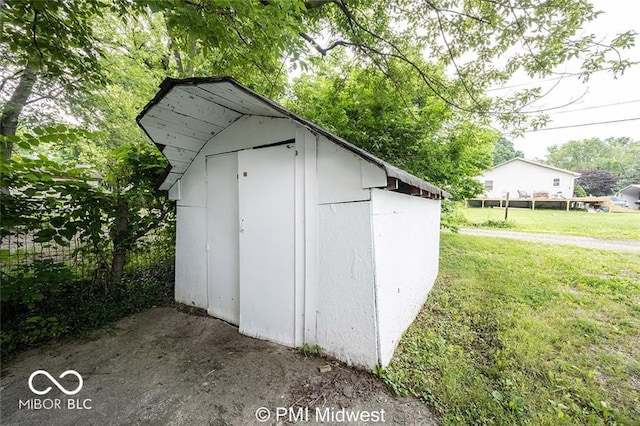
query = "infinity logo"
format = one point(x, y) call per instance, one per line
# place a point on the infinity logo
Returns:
point(55, 382)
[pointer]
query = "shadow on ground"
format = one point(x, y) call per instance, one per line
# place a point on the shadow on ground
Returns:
point(167, 367)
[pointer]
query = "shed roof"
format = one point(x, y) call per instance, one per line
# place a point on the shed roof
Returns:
point(186, 113)
point(535, 163)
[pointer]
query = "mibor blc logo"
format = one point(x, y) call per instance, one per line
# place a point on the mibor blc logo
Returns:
point(56, 403)
point(55, 382)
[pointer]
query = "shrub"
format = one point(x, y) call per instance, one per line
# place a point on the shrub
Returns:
point(35, 310)
point(502, 224)
point(452, 216)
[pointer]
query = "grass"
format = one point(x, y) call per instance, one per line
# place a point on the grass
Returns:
point(517, 333)
point(599, 225)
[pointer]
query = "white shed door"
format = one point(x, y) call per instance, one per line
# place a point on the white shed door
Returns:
point(223, 287)
point(266, 201)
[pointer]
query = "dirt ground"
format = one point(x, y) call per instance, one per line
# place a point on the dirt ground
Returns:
point(167, 367)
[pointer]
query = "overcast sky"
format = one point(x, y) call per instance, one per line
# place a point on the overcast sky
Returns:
point(601, 91)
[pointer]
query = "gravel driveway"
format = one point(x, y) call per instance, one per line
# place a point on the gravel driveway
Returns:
point(167, 367)
point(587, 242)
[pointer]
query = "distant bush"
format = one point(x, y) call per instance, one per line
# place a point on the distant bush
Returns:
point(452, 216)
point(579, 191)
point(503, 224)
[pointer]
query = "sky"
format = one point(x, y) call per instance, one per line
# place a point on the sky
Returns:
point(592, 99)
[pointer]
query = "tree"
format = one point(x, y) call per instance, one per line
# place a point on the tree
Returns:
point(631, 175)
point(618, 156)
point(109, 219)
point(505, 151)
point(38, 60)
point(597, 182)
point(464, 35)
point(132, 205)
point(579, 191)
point(418, 132)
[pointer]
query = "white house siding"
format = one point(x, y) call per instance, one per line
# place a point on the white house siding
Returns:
point(346, 316)
point(522, 176)
point(406, 236)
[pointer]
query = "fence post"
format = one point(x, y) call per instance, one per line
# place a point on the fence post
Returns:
point(506, 209)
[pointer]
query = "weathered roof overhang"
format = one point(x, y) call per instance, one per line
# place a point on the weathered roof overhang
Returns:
point(186, 113)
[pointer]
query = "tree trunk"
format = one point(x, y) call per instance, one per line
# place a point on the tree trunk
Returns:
point(120, 237)
point(13, 108)
point(117, 269)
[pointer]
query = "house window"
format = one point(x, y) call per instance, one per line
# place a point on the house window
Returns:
point(556, 182)
point(488, 185)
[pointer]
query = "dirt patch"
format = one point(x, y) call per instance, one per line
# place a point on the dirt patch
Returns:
point(167, 367)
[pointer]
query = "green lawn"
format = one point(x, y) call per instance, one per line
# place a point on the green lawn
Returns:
point(598, 225)
point(516, 333)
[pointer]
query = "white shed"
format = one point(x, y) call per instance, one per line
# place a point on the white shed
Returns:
point(287, 231)
point(631, 194)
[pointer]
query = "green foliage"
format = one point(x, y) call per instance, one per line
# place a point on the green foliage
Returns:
point(516, 333)
point(29, 284)
point(579, 191)
point(505, 151)
point(597, 182)
point(309, 350)
point(258, 41)
point(452, 216)
point(32, 30)
point(399, 122)
point(499, 224)
point(46, 300)
point(107, 216)
point(618, 156)
point(630, 175)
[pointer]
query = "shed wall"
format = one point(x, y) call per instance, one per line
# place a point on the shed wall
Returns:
point(631, 195)
point(345, 316)
point(343, 176)
point(191, 256)
point(406, 238)
point(338, 222)
point(191, 244)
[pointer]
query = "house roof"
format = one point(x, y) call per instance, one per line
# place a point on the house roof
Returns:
point(186, 113)
point(633, 186)
point(535, 163)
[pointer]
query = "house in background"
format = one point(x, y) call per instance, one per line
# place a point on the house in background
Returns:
point(528, 179)
point(286, 230)
point(631, 194)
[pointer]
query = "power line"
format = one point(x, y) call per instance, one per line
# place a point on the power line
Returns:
point(531, 82)
point(598, 106)
point(564, 75)
point(585, 124)
point(567, 75)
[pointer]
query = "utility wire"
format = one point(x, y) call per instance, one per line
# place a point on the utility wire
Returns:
point(567, 75)
point(585, 124)
point(495, 89)
point(598, 106)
